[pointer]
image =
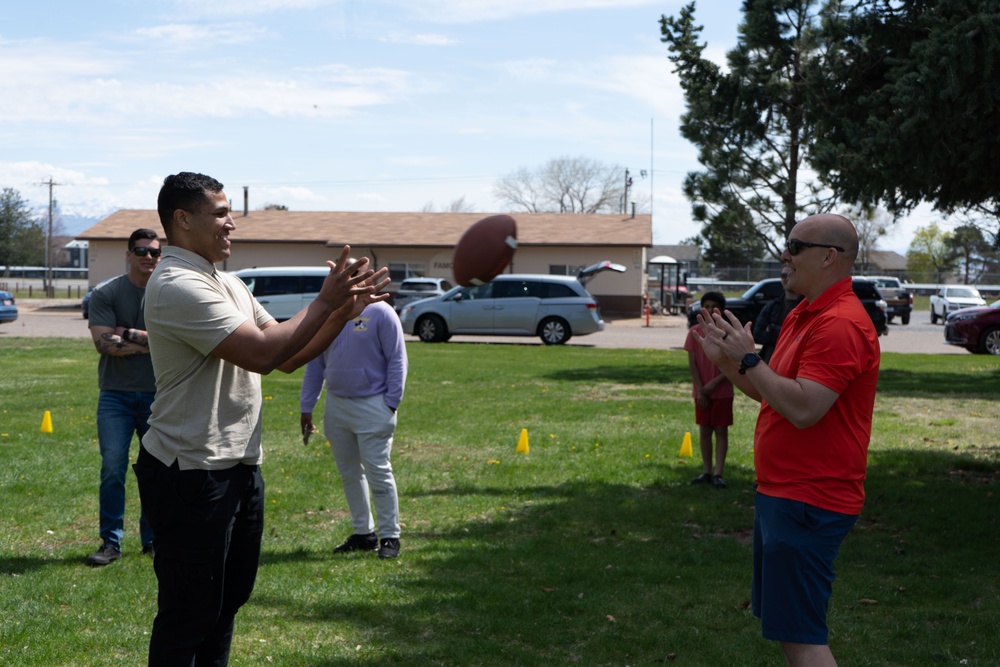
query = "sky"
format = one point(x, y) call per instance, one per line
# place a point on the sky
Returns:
point(348, 105)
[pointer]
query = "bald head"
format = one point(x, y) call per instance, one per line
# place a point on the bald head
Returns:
point(832, 230)
point(825, 247)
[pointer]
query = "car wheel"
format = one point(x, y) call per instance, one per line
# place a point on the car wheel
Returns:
point(554, 331)
point(432, 329)
point(989, 341)
point(905, 319)
point(934, 318)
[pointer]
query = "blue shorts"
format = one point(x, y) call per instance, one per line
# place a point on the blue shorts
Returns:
point(794, 545)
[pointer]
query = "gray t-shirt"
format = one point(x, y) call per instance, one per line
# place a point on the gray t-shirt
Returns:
point(119, 303)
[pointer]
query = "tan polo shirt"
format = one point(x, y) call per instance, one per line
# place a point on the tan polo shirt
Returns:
point(207, 412)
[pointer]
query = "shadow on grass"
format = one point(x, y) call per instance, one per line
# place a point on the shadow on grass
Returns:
point(899, 382)
point(635, 375)
point(594, 574)
point(16, 566)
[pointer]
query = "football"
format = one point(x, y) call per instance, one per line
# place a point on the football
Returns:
point(484, 250)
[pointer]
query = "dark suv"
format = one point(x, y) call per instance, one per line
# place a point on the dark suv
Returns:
point(748, 306)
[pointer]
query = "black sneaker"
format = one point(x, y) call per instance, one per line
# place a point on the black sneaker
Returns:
point(718, 482)
point(704, 478)
point(389, 548)
point(148, 550)
point(104, 555)
point(357, 542)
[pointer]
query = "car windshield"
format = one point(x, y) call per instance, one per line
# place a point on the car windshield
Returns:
point(967, 292)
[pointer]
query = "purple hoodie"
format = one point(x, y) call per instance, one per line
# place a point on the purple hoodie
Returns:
point(366, 359)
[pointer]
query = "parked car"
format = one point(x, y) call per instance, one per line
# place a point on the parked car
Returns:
point(976, 329)
point(898, 299)
point(950, 298)
point(414, 289)
point(8, 307)
point(555, 308)
point(748, 307)
point(85, 302)
point(284, 290)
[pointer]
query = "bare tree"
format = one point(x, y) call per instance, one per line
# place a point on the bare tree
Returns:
point(456, 206)
point(564, 185)
point(872, 224)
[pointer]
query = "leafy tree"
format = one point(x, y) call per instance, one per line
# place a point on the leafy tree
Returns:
point(726, 242)
point(274, 207)
point(750, 123)
point(910, 111)
point(930, 252)
point(563, 185)
point(968, 245)
point(22, 239)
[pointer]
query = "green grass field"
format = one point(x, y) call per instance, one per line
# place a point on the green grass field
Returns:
point(592, 549)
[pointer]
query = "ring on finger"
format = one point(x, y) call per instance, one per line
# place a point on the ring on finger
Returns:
point(725, 335)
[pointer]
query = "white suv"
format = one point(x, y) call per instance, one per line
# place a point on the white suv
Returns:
point(284, 290)
point(414, 289)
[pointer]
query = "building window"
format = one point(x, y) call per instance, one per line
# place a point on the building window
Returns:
point(400, 271)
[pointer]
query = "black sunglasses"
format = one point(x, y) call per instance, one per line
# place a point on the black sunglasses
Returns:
point(793, 246)
point(141, 251)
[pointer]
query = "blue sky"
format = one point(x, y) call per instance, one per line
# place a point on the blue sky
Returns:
point(354, 105)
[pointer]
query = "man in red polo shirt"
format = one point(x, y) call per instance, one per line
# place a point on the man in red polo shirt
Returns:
point(817, 395)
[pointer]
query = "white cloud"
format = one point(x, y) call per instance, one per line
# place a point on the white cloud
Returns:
point(247, 7)
point(424, 39)
point(475, 11)
point(189, 35)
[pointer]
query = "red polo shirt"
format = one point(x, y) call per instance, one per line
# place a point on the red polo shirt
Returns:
point(831, 341)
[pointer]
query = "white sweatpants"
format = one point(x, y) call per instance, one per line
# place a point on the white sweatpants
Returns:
point(360, 433)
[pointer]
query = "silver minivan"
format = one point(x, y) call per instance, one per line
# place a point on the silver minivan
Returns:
point(284, 290)
point(555, 308)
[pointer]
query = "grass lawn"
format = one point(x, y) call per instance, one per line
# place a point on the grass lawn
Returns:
point(592, 549)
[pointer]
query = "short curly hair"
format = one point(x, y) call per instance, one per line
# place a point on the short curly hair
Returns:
point(183, 191)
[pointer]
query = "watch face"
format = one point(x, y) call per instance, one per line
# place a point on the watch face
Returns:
point(751, 359)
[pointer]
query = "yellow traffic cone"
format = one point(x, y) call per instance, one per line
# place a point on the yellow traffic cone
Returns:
point(522, 442)
point(47, 422)
point(686, 445)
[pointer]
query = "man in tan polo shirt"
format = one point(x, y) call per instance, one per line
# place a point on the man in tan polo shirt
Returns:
point(199, 464)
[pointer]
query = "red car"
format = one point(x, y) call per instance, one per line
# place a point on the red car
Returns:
point(976, 329)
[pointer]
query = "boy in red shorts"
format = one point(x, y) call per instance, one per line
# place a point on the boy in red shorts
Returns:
point(713, 398)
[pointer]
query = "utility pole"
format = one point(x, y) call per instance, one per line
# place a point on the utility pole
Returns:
point(628, 184)
point(48, 243)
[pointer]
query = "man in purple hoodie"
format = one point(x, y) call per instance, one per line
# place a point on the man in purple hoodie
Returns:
point(365, 373)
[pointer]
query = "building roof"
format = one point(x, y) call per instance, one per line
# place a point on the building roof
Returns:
point(887, 260)
point(425, 230)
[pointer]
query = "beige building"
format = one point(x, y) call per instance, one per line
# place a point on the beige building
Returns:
point(410, 244)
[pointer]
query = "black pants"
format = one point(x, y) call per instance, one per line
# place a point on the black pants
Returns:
point(208, 526)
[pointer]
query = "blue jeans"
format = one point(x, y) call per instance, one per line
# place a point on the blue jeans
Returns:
point(120, 414)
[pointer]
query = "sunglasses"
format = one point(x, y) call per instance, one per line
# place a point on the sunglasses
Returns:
point(141, 251)
point(793, 246)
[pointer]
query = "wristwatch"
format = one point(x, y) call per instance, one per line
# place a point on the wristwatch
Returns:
point(750, 360)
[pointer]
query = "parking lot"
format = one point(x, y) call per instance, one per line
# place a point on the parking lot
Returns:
point(61, 318)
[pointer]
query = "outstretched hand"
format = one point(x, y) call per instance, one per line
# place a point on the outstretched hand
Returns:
point(352, 283)
point(723, 338)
